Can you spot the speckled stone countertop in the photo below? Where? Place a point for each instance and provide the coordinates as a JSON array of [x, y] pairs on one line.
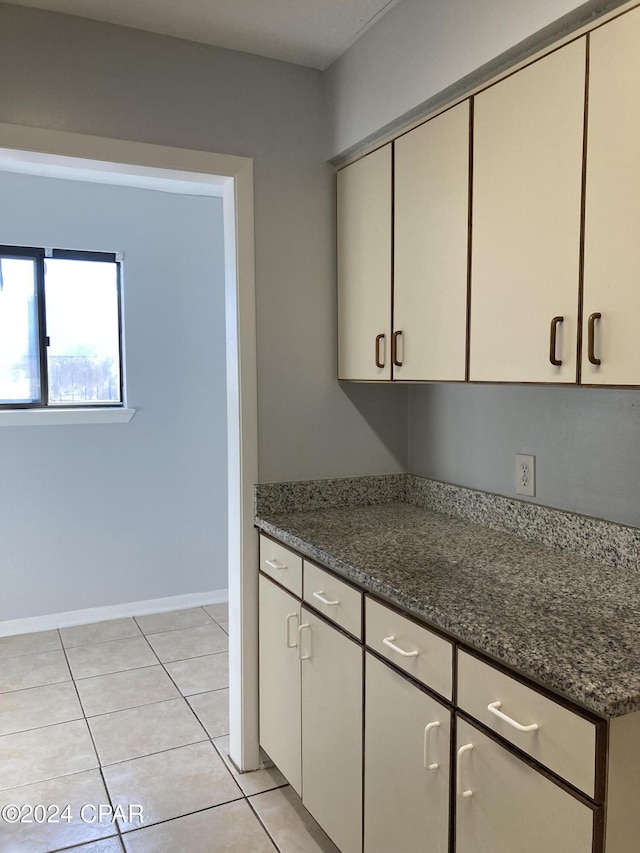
[[570, 623]]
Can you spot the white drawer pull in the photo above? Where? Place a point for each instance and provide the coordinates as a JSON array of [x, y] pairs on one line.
[[427, 729], [275, 564], [300, 630], [320, 596], [388, 641], [291, 645], [461, 752], [494, 709]]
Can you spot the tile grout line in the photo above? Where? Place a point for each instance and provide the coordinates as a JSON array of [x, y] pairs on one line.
[[262, 824], [208, 737], [95, 748]]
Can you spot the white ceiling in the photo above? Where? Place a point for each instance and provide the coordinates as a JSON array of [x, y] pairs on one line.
[[307, 32]]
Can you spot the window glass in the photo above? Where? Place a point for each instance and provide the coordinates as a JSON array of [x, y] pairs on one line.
[[83, 352], [19, 351]]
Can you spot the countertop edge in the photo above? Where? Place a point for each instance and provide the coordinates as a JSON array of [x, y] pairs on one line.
[[368, 582]]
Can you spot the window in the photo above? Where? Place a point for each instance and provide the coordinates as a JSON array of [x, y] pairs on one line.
[[60, 328]]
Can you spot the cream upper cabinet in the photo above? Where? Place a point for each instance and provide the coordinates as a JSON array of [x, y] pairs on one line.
[[364, 268], [527, 183], [431, 227], [611, 303]]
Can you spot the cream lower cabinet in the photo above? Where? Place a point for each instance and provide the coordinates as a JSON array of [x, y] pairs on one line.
[[406, 765], [369, 750], [504, 805], [280, 736], [311, 711], [332, 730]]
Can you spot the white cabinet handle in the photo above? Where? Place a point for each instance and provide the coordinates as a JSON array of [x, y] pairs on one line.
[[300, 630], [275, 564], [461, 791], [320, 596], [388, 641], [494, 709], [291, 645], [427, 729]]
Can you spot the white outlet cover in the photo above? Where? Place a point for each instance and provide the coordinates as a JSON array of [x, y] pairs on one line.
[[525, 475]]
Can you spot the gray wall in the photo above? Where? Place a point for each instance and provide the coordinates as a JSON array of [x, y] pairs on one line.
[[586, 441], [78, 75], [421, 48], [103, 514]]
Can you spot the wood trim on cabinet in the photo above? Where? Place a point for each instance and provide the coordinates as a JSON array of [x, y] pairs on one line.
[[453, 780], [438, 697], [602, 762], [583, 204], [530, 762], [392, 342], [599, 723], [528, 681], [467, 361], [278, 584], [598, 830], [411, 617], [364, 732]]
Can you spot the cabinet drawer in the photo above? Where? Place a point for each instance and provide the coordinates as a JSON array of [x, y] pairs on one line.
[[413, 648], [281, 564], [563, 741], [333, 598]]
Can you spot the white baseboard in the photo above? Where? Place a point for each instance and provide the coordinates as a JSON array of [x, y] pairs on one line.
[[113, 611]]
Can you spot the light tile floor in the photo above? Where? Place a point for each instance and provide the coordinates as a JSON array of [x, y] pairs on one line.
[[132, 715]]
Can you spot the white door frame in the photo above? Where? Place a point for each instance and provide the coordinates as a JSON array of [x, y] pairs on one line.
[[94, 158]]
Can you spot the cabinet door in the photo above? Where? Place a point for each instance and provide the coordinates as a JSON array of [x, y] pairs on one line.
[[612, 213], [364, 268], [431, 228], [527, 179], [332, 731], [280, 737], [509, 806], [406, 804]]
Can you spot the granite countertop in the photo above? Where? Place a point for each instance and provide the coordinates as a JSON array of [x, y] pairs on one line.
[[567, 622]]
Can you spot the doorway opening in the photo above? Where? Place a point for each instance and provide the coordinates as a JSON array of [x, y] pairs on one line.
[[48, 153]]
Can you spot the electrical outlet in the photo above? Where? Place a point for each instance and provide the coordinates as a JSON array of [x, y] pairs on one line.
[[525, 475]]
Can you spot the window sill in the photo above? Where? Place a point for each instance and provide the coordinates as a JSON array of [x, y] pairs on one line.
[[64, 417]]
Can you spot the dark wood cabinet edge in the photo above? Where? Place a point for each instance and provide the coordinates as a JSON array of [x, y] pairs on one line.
[[279, 585], [493, 382], [529, 681], [415, 682], [331, 624], [392, 271], [467, 354], [600, 723], [576, 793], [583, 204]]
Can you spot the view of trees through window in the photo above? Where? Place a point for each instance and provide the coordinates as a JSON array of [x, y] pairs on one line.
[[59, 329]]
